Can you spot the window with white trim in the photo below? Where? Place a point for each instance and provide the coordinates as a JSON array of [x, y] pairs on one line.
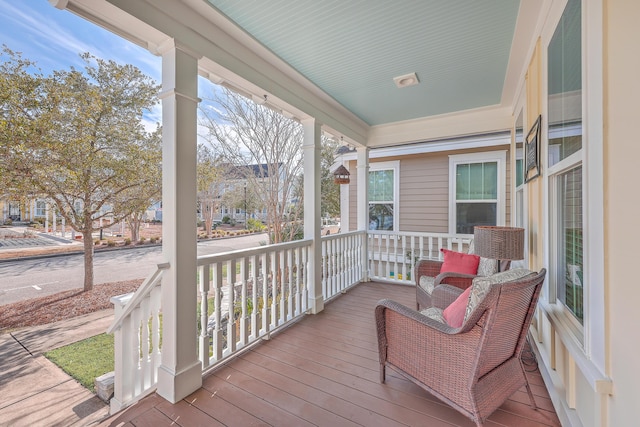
[[476, 190], [564, 159], [383, 195], [41, 208]]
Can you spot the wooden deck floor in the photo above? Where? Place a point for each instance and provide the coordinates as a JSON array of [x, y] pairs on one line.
[[324, 371]]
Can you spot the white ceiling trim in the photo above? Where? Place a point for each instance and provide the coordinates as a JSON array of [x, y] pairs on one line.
[[478, 121], [470, 142]]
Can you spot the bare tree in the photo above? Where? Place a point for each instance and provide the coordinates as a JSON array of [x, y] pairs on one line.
[[246, 133], [210, 172]]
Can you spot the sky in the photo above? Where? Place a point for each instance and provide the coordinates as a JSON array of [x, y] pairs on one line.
[[55, 38]]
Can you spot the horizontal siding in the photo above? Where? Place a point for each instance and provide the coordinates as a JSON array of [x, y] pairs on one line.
[[424, 193]]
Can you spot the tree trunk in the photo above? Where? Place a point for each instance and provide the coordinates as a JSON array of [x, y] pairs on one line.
[[88, 258], [207, 213]]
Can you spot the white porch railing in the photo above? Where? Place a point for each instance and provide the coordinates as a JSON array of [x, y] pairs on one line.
[[137, 341], [342, 262], [392, 255], [243, 296]]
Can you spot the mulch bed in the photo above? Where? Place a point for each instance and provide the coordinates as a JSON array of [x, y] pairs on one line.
[[63, 305]]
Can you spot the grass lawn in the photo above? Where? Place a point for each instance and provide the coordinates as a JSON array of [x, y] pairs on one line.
[[85, 360]]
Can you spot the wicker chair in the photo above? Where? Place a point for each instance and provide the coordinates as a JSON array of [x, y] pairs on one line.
[[474, 368], [427, 275]]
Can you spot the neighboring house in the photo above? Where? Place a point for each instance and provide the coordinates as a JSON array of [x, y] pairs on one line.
[[236, 183], [30, 210]]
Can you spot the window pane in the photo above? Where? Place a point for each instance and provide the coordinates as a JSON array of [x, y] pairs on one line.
[[570, 277], [381, 186], [565, 85], [477, 181], [40, 208], [462, 182], [490, 181], [469, 215], [381, 216]]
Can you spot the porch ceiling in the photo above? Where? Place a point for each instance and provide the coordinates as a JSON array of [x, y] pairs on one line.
[[336, 61], [352, 50]]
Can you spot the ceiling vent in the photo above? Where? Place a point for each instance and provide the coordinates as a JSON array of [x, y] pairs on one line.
[[406, 80]]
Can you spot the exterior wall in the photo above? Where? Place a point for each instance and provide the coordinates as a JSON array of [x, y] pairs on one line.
[[424, 190], [622, 233], [595, 382]]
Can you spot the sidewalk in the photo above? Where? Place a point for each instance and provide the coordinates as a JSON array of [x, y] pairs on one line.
[[34, 391]]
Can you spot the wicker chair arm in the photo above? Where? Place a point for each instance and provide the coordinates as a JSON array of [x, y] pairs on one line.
[[426, 267], [444, 294], [411, 314], [459, 280]]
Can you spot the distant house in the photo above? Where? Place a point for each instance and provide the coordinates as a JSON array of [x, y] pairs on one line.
[[21, 211], [237, 182]]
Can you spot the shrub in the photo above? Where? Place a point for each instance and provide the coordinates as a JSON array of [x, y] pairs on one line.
[[255, 225], [111, 243], [153, 240], [141, 241], [127, 241], [226, 219]]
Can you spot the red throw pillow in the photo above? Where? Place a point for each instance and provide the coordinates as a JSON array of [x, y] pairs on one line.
[[454, 314], [457, 262]]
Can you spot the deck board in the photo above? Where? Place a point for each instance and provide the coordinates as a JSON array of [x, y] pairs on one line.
[[324, 370]]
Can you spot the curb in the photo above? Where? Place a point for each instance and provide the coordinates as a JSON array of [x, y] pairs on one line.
[[76, 253], [120, 248]]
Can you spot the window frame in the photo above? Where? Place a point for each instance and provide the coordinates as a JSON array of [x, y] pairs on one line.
[[40, 212], [393, 165], [498, 156], [556, 172], [568, 325]]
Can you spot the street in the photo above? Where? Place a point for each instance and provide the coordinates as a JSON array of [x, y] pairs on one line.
[[31, 278]]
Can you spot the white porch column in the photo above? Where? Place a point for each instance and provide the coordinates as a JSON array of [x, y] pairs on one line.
[[344, 205], [363, 203], [312, 216], [180, 372]]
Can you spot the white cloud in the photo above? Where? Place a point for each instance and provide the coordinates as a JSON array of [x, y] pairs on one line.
[[56, 38]]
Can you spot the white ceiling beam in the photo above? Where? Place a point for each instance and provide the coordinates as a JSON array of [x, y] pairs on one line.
[[471, 122]]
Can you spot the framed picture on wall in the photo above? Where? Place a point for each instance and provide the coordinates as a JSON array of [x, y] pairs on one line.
[[532, 152]]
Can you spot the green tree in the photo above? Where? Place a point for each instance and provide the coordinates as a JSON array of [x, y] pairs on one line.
[[78, 139], [330, 198]]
